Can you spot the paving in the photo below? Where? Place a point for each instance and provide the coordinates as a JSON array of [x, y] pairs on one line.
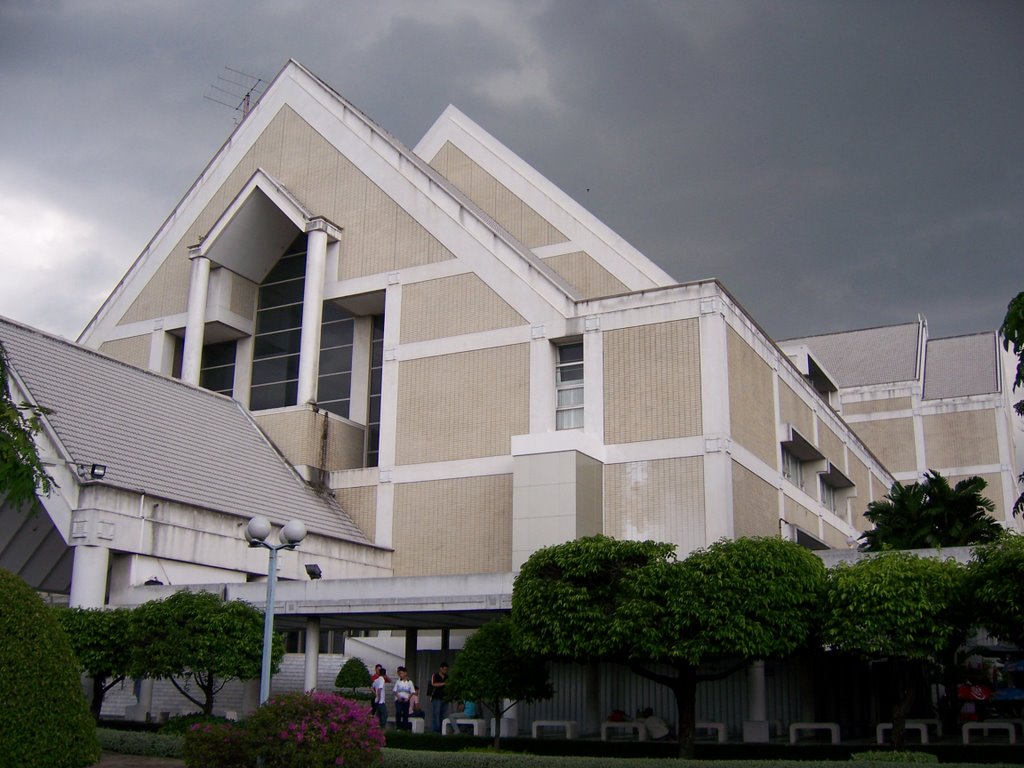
[[117, 760]]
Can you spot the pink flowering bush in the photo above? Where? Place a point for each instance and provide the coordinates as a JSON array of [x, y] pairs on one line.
[[315, 730]]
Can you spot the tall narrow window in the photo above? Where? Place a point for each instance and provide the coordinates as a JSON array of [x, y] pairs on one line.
[[828, 495], [569, 387], [334, 384], [275, 364], [792, 469], [217, 371], [373, 410]]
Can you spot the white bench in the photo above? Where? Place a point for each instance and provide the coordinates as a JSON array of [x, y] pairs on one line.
[[721, 732], [920, 727], [571, 727], [795, 728], [984, 726], [452, 726], [632, 725]]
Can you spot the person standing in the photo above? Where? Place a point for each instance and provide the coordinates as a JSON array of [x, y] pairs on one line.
[[438, 705], [404, 690], [380, 706]]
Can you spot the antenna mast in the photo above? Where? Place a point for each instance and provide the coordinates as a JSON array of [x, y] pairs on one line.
[[236, 90]]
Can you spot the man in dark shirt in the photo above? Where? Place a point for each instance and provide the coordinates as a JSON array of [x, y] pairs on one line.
[[438, 704]]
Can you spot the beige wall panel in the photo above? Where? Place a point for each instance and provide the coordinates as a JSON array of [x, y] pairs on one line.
[[878, 406], [470, 305], [652, 382], [858, 473], [462, 525], [795, 411], [961, 439], [495, 198], [133, 350], [830, 444], [300, 436], [993, 492], [361, 505], [584, 274], [879, 490], [462, 406], [835, 538], [892, 441], [377, 235], [166, 294], [660, 499], [751, 400], [755, 504], [243, 296], [800, 516]]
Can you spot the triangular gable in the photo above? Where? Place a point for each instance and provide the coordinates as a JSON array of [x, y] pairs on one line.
[[573, 229], [329, 128]]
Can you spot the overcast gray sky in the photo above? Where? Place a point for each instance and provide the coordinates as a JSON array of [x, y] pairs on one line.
[[838, 164]]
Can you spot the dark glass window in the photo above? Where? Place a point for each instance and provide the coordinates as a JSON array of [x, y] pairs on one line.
[[334, 383], [376, 368], [275, 364], [217, 370]]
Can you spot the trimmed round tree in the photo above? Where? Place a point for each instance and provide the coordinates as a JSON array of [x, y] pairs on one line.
[[701, 618], [997, 585], [101, 640], [199, 642], [491, 670], [352, 676], [44, 718], [898, 606]]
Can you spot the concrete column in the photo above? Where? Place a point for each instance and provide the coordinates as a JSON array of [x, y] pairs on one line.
[[144, 707], [755, 728], [89, 577], [250, 695], [312, 314], [195, 321], [411, 642], [312, 652]]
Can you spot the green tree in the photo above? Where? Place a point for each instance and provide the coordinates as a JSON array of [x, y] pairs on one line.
[[491, 670], [102, 641], [352, 675], [931, 514], [897, 606], [44, 718], [1012, 331], [700, 618], [22, 473], [198, 641], [996, 575]]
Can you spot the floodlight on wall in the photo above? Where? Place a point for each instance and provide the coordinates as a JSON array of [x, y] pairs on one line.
[[91, 473], [313, 571], [257, 531]]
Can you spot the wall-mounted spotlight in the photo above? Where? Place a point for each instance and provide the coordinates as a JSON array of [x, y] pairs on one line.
[[313, 571], [90, 473]]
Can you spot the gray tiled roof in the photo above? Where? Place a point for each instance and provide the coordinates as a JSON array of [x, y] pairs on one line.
[[164, 437], [960, 366], [869, 356]]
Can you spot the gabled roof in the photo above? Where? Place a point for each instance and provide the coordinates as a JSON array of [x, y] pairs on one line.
[[162, 437], [959, 366], [397, 170], [868, 356]]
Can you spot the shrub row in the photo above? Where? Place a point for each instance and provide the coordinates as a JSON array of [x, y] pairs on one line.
[[143, 743]]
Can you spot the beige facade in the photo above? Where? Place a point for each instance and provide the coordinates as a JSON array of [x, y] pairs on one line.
[[751, 403], [756, 505], [892, 440], [660, 500], [469, 306]]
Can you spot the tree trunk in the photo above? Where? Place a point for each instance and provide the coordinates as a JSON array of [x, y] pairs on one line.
[[495, 707], [685, 690], [904, 692], [99, 689]]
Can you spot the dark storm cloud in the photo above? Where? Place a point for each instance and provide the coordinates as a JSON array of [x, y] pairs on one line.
[[836, 164]]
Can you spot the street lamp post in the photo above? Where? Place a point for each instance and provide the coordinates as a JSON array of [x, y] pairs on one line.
[[256, 533]]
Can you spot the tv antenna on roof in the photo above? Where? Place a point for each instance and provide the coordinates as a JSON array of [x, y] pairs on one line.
[[237, 90]]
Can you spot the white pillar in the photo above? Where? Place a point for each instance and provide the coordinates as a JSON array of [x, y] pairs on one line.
[[755, 728], [195, 320], [312, 652], [312, 314], [89, 577]]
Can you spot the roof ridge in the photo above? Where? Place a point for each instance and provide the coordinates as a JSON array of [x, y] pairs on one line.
[[851, 330]]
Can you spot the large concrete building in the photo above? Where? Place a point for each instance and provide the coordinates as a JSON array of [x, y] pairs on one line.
[[441, 363]]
